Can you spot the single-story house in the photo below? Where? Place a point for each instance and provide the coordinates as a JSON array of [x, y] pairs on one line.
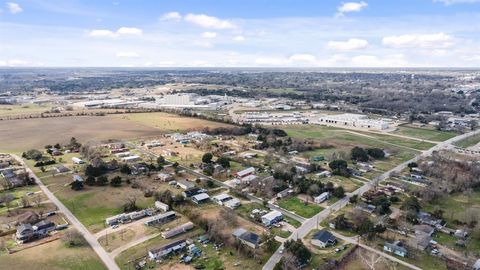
[[323, 239], [161, 206], [324, 174], [322, 197], [246, 237], [77, 178], [200, 198], [185, 184], [424, 229], [191, 192], [164, 177], [160, 218], [24, 233], [247, 171], [421, 241], [165, 250], [178, 230], [130, 159], [285, 193], [61, 169], [271, 218], [233, 203], [221, 198], [396, 248], [76, 160]]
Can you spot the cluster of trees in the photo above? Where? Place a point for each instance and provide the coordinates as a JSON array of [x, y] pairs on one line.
[[208, 166], [359, 223], [33, 154], [361, 154], [299, 252], [339, 167], [44, 163]]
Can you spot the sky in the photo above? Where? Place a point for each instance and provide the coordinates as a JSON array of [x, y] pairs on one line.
[[240, 33]]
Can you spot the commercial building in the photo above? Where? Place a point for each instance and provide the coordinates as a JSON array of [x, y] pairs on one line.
[[350, 120]]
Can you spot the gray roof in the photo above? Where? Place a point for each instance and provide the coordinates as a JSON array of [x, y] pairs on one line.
[[324, 236]]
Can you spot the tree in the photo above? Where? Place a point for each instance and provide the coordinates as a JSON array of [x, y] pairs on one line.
[[383, 204], [130, 203], [160, 161], [376, 153], [359, 154], [77, 185], [339, 167], [353, 199], [34, 154], [298, 249], [207, 158], [25, 201], [125, 169], [101, 180], [90, 181], [116, 181], [411, 204], [37, 199], [339, 192], [341, 222], [224, 162], [73, 239]]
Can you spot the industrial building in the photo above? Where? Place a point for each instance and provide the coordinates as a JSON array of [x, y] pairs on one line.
[[350, 120]]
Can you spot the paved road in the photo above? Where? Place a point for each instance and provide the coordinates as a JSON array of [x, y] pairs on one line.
[[91, 239], [311, 223]]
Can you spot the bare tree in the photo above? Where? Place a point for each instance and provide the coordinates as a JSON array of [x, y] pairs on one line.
[[37, 199], [370, 259], [25, 202]]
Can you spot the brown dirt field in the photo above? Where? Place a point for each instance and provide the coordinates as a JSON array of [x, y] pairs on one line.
[[21, 135]]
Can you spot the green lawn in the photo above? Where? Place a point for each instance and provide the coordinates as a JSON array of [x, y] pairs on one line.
[[470, 141], [455, 206], [425, 133], [297, 206]]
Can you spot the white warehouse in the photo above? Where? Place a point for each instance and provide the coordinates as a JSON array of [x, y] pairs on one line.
[[351, 120]]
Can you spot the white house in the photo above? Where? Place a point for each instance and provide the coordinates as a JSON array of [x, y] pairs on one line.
[[221, 198], [186, 185], [271, 218], [133, 158], [160, 218], [161, 206], [76, 160], [164, 177], [322, 197], [160, 252], [323, 239], [247, 171], [233, 203], [200, 198]]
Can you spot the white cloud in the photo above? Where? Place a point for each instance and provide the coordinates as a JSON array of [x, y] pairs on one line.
[[14, 8], [127, 54], [348, 7], [238, 38], [440, 40], [171, 16], [102, 33], [394, 60], [166, 63], [349, 45], [452, 2], [17, 63], [270, 61], [209, 34], [105, 33], [130, 31], [206, 21], [303, 58], [203, 43]]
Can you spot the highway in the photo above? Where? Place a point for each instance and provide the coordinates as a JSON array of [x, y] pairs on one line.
[[311, 223], [89, 237]]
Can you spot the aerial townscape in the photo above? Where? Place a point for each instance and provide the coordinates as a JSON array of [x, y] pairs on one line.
[[262, 158]]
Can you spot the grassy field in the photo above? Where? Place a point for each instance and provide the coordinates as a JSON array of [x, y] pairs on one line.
[[93, 204], [455, 206], [296, 205], [15, 110], [424, 133], [470, 141], [53, 256]]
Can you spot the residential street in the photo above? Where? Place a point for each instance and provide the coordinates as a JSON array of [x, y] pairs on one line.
[[89, 237]]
